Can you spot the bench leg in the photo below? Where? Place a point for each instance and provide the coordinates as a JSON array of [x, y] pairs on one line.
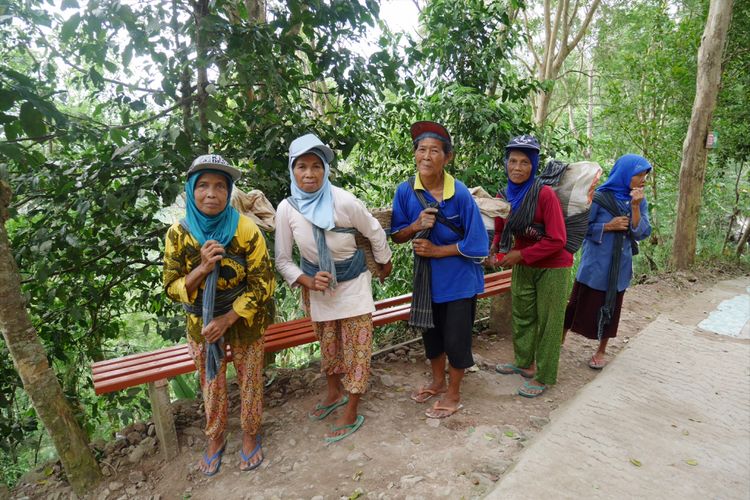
[[501, 314], [163, 419]]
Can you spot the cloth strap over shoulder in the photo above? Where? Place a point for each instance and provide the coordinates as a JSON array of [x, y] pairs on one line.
[[608, 202], [214, 303], [344, 270], [438, 216]]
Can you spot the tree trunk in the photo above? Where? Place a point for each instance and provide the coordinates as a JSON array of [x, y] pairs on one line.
[[590, 116], [558, 43], [736, 210], [38, 379], [743, 241], [200, 11], [694, 153]]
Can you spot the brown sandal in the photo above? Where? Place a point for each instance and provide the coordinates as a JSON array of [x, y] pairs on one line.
[[419, 396]]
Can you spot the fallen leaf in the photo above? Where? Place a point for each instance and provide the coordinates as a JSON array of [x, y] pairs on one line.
[[685, 432], [692, 462], [357, 475], [489, 437], [510, 434], [635, 462]]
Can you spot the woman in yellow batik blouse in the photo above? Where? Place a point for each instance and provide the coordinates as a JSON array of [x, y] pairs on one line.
[[217, 266]]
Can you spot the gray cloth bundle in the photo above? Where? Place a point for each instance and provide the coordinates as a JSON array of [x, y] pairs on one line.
[[607, 201], [214, 350], [520, 220], [420, 315], [214, 303], [347, 270]]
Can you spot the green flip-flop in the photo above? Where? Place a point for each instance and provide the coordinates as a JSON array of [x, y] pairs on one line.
[[528, 390], [327, 409], [351, 429], [510, 369]]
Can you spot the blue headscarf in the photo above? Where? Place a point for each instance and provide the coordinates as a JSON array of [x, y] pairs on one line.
[[316, 207], [220, 227], [622, 173], [515, 193]]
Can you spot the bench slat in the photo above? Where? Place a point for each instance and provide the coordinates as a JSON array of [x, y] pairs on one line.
[[136, 369]]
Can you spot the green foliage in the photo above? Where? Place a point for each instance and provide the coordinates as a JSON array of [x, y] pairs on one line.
[[103, 105]]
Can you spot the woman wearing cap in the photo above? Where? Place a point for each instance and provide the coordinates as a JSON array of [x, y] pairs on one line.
[[618, 219], [217, 266], [438, 215], [320, 218], [535, 229]]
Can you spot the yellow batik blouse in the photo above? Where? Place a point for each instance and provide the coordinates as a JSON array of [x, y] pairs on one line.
[[182, 254]]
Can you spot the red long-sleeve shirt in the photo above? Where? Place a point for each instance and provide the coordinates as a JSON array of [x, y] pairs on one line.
[[550, 251]]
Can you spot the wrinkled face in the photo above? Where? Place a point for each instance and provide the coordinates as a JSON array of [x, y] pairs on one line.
[[211, 193], [431, 158], [519, 167], [309, 171], [639, 180]]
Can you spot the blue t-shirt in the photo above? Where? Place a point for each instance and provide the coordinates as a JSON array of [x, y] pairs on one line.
[[593, 271], [458, 276]]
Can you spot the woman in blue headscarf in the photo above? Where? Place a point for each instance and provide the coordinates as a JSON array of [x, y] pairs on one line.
[[217, 266], [532, 240], [336, 285], [618, 220]]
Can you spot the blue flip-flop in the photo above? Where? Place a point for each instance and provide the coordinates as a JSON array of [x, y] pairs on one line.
[[528, 386], [216, 456], [510, 369], [247, 458], [351, 429], [327, 409]]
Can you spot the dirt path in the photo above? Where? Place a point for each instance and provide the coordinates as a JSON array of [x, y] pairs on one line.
[[398, 453]]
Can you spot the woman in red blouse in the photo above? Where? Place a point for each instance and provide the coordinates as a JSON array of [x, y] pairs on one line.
[[531, 241]]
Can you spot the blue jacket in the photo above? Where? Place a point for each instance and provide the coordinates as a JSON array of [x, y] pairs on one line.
[[593, 271]]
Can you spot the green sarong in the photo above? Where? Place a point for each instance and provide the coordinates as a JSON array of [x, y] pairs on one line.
[[539, 298]]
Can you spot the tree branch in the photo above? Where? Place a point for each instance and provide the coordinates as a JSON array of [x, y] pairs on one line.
[[584, 26], [530, 44]]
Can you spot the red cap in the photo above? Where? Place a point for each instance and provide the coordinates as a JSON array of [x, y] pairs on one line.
[[420, 128]]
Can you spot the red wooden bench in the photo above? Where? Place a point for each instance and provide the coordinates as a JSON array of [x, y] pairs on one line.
[[155, 368]]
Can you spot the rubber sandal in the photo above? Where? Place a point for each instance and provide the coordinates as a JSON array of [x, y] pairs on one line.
[[327, 409], [438, 407], [596, 366], [247, 458], [216, 456], [510, 369], [527, 386], [424, 390], [351, 429]]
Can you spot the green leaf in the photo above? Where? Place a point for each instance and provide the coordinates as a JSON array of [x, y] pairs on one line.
[[635, 462], [182, 144], [12, 131], [96, 77], [7, 99], [32, 120], [69, 27], [692, 462], [12, 151]]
